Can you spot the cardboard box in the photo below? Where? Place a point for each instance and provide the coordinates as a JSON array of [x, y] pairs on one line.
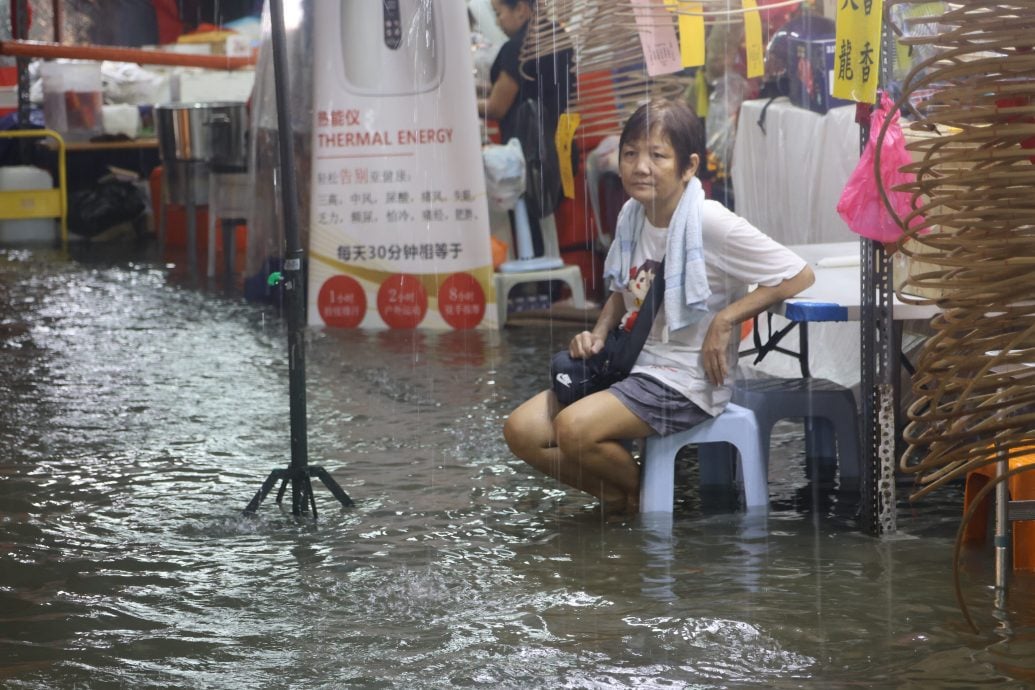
[[227, 43], [810, 68]]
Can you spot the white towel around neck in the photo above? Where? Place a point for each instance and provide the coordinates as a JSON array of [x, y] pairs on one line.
[[686, 282]]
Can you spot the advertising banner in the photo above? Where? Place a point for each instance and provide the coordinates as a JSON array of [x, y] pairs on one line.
[[400, 221]]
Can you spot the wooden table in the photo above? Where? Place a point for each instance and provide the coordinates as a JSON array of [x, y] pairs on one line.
[[117, 145]]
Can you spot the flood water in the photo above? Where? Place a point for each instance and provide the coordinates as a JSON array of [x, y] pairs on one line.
[[140, 414]]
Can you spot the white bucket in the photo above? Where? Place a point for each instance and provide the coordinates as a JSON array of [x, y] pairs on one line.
[[26, 230]]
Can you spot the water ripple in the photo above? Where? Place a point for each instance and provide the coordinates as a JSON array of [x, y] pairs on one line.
[[140, 416]]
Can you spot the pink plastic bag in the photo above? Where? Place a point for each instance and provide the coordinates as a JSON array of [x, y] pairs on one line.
[[861, 205]]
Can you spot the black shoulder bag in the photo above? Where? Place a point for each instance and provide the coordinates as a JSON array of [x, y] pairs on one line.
[[572, 379]]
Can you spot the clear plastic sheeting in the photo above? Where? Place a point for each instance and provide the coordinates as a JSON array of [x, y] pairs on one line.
[[265, 229]]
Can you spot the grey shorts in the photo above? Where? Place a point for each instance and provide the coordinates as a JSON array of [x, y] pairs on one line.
[[662, 408]]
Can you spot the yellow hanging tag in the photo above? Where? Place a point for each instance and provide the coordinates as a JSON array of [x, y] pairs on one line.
[[857, 46], [691, 33], [567, 123], [753, 40], [701, 93]]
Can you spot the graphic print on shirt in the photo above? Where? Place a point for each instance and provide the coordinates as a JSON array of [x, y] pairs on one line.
[[640, 280]]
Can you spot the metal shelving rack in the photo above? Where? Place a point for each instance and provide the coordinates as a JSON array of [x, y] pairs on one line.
[[878, 354], [877, 389]]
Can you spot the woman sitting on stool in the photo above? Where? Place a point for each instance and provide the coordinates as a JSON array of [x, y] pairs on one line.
[[681, 377]]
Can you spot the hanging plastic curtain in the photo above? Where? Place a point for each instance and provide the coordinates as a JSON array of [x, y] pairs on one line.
[[265, 229]]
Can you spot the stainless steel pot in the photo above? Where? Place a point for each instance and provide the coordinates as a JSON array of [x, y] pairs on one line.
[[214, 133]]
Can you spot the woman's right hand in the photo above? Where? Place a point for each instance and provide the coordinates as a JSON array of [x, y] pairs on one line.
[[585, 344]]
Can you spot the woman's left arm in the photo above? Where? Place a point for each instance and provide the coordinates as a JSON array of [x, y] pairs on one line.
[[716, 340], [502, 96]]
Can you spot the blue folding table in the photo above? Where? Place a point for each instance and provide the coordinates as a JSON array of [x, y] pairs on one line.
[[835, 296]]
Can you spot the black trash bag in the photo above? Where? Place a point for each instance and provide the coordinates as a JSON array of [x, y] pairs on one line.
[[107, 204]]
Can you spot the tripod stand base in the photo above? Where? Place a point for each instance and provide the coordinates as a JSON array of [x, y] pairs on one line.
[[301, 488]]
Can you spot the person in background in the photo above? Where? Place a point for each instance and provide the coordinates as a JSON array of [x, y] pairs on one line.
[[682, 375], [482, 54], [547, 79]]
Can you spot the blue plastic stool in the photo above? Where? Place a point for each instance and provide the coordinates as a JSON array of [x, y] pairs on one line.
[[829, 411], [736, 425]]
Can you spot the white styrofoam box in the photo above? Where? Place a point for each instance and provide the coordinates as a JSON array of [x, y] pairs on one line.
[[8, 97], [207, 86], [121, 118], [26, 230]]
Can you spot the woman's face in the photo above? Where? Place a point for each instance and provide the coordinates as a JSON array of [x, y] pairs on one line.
[[511, 19], [650, 171]]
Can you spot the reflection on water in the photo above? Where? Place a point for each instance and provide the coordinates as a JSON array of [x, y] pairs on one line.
[[140, 415]]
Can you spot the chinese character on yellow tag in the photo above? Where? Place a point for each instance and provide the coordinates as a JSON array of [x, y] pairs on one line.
[[857, 49]]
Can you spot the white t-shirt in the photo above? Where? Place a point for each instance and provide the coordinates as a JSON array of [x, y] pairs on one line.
[[737, 255]]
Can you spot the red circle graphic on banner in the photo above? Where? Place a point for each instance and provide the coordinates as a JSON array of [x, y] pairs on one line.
[[461, 301], [402, 301], [341, 302]]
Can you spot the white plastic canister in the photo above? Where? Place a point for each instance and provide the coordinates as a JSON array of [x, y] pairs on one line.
[[26, 230], [72, 98]]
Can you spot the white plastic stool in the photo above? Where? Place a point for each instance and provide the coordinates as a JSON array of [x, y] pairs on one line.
[[736, 425], [570, 275], [528, 268]]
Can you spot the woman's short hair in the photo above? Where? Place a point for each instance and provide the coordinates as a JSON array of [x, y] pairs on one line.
[[676, 120]]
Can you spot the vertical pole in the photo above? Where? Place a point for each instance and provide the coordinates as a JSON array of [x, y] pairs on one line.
[[294, 277], [20, 30], [190, 168], [887, 413], [871, 503], [300, 473], [878, 359], [888, 353], [229, 248], [57, 6], [1002, 529], [867, 347]]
